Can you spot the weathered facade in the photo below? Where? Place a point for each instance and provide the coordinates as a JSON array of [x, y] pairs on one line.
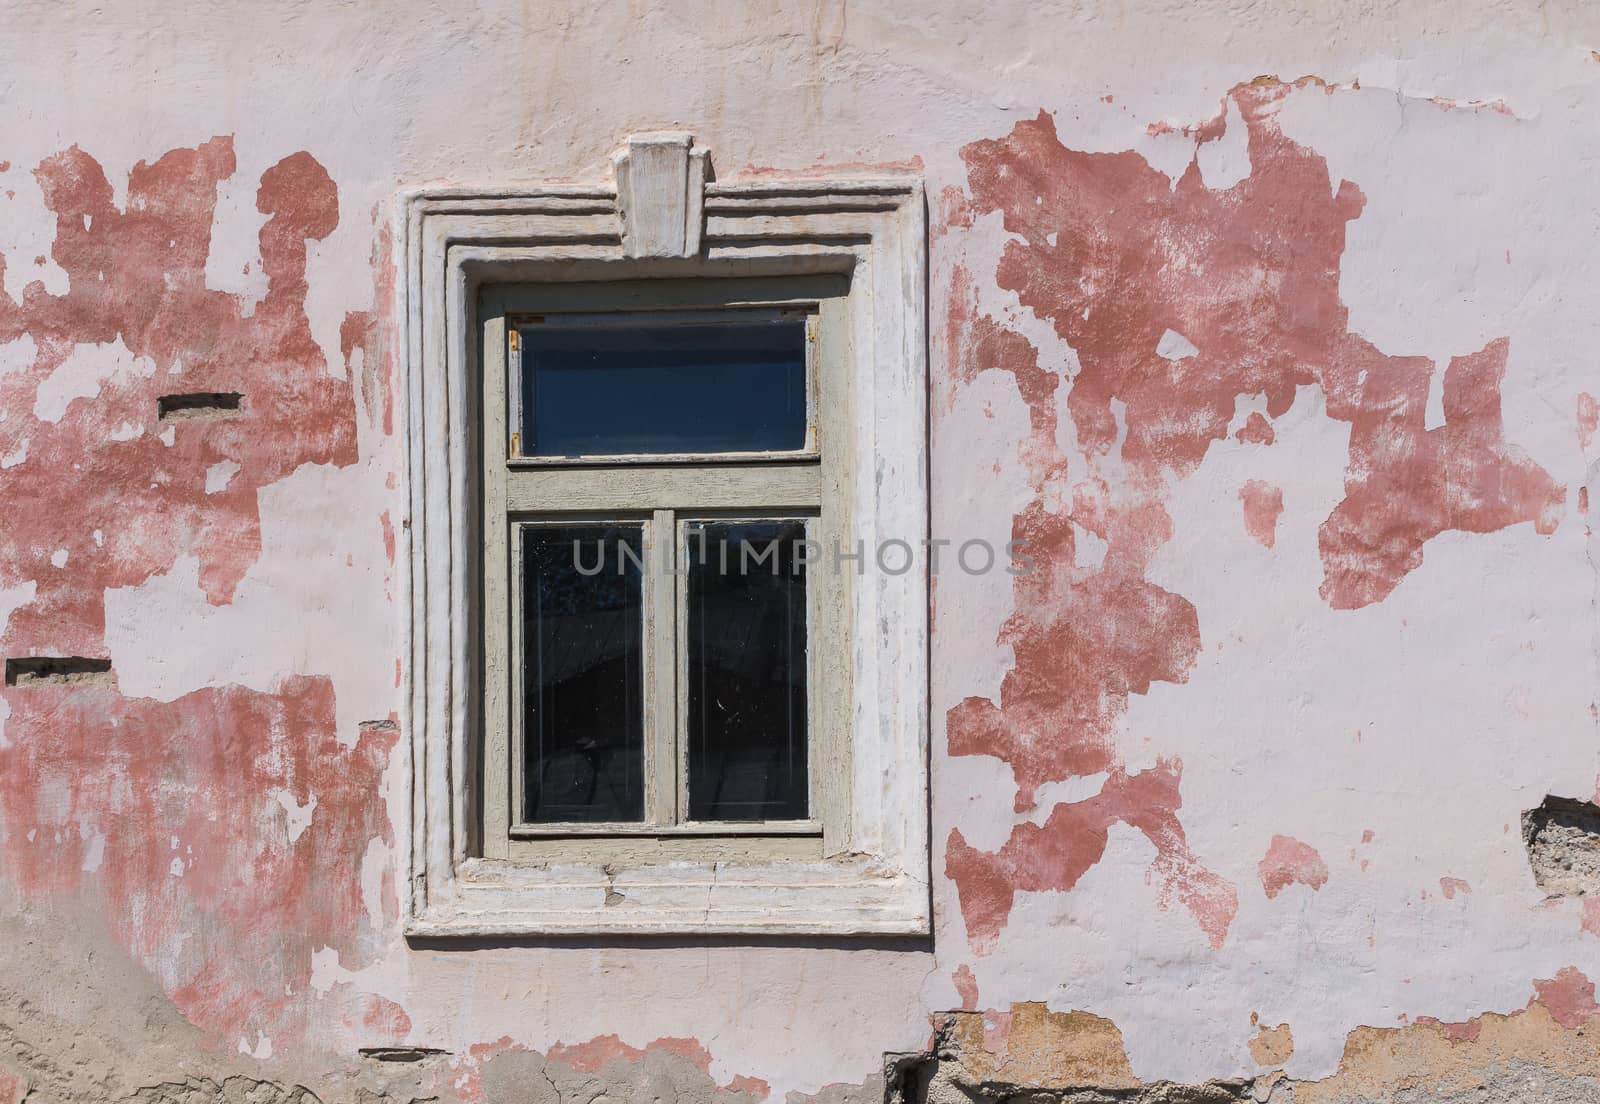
[[1271, 330]]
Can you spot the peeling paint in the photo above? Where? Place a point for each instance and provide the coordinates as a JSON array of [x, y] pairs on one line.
[[1272, 1046], [1282, 389], [1288, 862], [107, 509], [137, 283], [141, 770], [1075, 1056], [1114, 258], [1263, 505]]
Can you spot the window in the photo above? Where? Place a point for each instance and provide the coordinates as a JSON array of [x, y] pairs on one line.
[[656, 431], [663, 631]]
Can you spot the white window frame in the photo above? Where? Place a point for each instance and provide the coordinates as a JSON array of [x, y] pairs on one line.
[[664, 220]]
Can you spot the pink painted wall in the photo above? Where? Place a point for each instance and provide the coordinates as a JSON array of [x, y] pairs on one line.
[[1288, 382]]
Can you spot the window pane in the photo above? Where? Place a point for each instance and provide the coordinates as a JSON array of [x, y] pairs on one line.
[[663, 388], [747, 671], [583, 673]]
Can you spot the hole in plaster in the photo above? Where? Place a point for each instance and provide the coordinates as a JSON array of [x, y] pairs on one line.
[[1563, 840], [56, 670], [399, 1054], [199, 404]]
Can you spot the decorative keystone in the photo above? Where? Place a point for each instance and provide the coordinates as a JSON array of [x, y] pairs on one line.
[[661, 181]]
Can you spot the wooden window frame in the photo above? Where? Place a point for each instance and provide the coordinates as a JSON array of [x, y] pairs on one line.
[[667, 223], [660, 492]]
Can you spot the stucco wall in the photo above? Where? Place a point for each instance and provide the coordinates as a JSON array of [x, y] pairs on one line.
[[1271, 327]]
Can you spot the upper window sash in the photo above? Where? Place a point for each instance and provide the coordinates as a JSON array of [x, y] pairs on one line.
[[523, 336]]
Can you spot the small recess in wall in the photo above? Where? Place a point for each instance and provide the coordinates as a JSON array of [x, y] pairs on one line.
[[400, 1053], [56, 670], [199, 404], [1562, 836]]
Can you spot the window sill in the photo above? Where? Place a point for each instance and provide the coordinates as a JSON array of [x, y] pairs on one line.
[[843, 897]]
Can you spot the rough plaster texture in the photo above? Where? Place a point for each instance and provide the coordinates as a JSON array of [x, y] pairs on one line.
[[1290, 383]]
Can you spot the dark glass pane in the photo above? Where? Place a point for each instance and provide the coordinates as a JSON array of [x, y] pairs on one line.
[[747, 671], [720, 387], [583, 686]]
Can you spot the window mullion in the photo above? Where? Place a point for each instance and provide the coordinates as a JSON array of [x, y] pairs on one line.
[[680, 610], [661, 677]]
